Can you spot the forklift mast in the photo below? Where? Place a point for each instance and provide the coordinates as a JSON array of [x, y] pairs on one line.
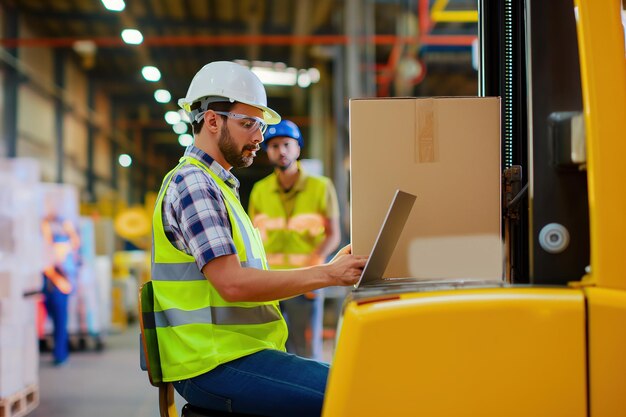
[[530, 59]]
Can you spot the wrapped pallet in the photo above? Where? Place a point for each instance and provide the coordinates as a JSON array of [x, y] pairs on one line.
[[21, 255]]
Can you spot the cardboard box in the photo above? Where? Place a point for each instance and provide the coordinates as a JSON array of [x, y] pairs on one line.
[[446, 150]]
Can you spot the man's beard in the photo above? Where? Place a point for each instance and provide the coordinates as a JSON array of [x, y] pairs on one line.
[[234, 157], [284, 167]]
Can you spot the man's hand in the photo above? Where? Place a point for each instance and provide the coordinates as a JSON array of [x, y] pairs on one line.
[[345, 268], [346, 250]]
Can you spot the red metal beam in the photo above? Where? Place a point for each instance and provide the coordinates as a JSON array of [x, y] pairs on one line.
[[287, 40], [423, 14]]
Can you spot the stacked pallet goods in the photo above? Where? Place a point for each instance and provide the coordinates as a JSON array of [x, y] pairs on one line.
[[21, 262]]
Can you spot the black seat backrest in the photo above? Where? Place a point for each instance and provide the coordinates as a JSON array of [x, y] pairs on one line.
[[149, 341], [150, 350]]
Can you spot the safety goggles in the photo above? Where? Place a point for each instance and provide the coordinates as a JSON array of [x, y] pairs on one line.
[[249, 123]]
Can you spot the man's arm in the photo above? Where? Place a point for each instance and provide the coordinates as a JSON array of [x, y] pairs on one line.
[[331, 227], [237, 284], [330, 242], [69, 228]]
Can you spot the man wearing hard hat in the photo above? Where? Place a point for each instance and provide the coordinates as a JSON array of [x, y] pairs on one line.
[[221, 334], [298, 217]]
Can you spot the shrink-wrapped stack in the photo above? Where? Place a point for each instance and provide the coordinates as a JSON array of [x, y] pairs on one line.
[[87, 318], [21, 262]]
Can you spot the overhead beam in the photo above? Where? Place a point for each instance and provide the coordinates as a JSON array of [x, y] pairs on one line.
[[244, 40]]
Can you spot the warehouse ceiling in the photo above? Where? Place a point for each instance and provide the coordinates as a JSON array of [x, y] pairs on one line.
[[180, 36]]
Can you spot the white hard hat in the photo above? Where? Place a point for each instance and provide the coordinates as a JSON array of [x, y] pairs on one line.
[[231, 81]]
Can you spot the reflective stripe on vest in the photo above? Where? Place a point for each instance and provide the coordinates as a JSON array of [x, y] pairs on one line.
[[289, 241], [210, 315], [197, 329], [294, 259]]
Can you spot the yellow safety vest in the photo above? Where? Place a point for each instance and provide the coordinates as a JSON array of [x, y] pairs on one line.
[[289, 240], [196, 328]]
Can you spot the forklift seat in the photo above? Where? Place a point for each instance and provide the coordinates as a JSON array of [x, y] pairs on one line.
[[150, 361]]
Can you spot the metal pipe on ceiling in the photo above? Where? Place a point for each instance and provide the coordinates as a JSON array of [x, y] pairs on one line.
[[226, 40]]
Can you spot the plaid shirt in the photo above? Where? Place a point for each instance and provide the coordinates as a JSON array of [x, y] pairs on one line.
[[194, 213]]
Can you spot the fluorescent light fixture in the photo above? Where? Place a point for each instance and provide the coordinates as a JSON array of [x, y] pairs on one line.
[[281, 66], [180, 128], [184, 116], [278, 73], [185, 139], [132, 36], [114, 5], [304, 79], [125, 160], [314, 73], [151, 73], [172, 117], [162, 96], [85, 47], [269, 76]]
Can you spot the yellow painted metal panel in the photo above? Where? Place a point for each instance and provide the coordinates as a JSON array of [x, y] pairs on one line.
[[607, 352], [455, 16], [603, 71], [489, 352], [438, 13]]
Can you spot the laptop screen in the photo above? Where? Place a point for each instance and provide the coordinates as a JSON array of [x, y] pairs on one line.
[[387, 238]]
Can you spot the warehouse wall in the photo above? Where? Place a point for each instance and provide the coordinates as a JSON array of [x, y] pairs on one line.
[[35, 109], [102, 145], [74, 126], [36, 120]]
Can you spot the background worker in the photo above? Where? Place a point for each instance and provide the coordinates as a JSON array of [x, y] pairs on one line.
[[221, 333], [62, 246], [298, 217]]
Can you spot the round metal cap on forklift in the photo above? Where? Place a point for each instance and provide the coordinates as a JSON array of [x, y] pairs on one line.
[[231, 81], [284, 129]]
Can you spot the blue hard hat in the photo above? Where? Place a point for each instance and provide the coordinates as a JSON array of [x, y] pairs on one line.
[[286, 128]]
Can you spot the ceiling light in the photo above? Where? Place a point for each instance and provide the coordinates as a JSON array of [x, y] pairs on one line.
[[162, 96], [185, 139], [125, 160], [304, 79], [151, 73], [172, 117], [85, 46], [184, 116], [132, 36], [269, 76], [279, 74], [314, 73], [180, 128], [86, 49], [114, 5]]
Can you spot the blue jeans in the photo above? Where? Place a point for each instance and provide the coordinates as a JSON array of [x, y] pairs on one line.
[[268, 383], [56, 306]]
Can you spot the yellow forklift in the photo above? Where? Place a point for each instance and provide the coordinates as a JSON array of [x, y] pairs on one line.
[[550, 339]]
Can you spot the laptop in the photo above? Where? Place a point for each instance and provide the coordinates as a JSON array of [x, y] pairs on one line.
[[387, 239]]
